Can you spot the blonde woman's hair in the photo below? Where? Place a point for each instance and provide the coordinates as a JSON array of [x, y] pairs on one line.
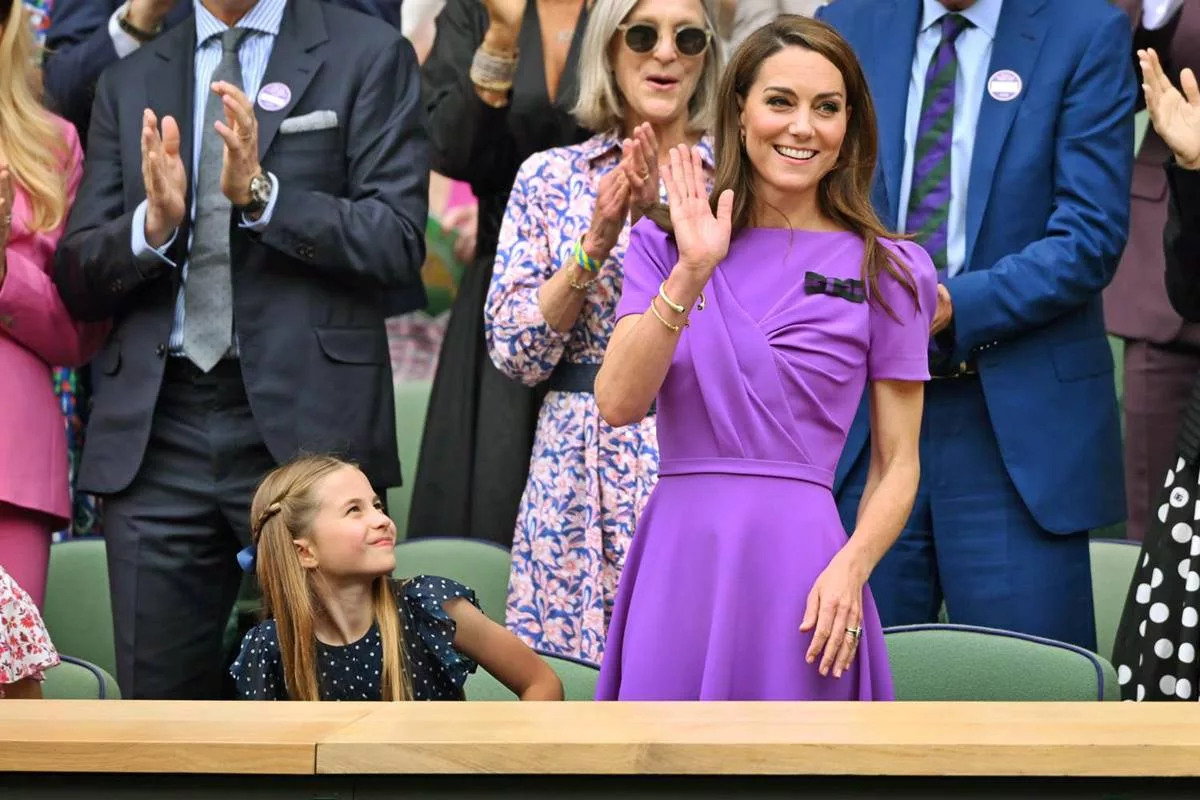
[[283, 510], [30, 137], [600, 106]]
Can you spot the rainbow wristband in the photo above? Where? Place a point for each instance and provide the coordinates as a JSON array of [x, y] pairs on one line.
[[586, 262]]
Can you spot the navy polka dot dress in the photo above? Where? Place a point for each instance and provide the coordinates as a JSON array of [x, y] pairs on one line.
[[354, 671]]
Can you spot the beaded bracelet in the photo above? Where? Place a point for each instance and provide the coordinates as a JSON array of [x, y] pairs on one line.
[[586, 262]]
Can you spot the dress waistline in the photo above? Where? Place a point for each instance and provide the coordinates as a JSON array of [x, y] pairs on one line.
[[809, 473]]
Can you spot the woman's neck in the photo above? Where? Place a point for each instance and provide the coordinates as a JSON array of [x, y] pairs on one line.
[[348, 612], [775, 209]]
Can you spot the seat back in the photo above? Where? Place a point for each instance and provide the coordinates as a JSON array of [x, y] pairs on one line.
[[1113, 563], [966, 663], [412, 402], [78, 608], [76, 679], [578, 678], [477, 564]]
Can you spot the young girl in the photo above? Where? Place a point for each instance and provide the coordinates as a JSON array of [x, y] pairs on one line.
[[338, 626]]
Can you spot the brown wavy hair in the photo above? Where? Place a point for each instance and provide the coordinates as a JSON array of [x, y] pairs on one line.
[[844, 194]]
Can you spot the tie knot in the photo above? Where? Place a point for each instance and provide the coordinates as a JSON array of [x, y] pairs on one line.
[[231, 39], [953, 25]]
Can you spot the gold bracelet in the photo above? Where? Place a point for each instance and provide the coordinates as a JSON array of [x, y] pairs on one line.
[[672, 328], [676, 307], [581, 287]]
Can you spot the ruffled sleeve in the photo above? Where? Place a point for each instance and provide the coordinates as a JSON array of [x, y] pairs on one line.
[[25, 647], [258, 669], [425, 597]]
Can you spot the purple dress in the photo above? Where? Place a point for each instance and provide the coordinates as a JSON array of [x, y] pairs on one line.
[[751, 421]]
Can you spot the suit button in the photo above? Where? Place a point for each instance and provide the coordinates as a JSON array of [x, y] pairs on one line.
[[160, 349], [116, 285]]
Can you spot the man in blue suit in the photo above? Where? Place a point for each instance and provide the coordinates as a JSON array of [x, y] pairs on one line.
[[1006, 147]]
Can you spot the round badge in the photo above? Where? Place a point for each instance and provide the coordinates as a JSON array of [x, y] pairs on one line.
[[274, 96], [1004, 85]]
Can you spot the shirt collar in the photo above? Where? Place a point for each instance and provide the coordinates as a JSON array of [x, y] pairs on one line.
[[265, 17], [602, 144], [983, 14]]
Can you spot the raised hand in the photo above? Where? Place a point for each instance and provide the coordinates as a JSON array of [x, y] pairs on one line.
[[505, 17], [639, 159], [239, 130], [1175, 115], [701, 236], [164, 178], [608, 218]]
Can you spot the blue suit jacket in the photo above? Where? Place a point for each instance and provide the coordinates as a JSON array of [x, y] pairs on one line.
[[1047, 220]]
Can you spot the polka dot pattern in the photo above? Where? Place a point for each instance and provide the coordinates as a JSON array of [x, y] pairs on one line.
[[1156, 649], [354, 671]]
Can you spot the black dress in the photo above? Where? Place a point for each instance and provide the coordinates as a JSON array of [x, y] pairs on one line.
[[352, 671], [1157, 650], [479, 431]]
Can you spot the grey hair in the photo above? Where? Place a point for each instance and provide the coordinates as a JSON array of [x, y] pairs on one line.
[[600, 106]]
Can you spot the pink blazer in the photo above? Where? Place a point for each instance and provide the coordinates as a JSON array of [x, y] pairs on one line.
[[37, 333]]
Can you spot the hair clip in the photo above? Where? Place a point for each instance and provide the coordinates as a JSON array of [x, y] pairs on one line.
[[247, 559]]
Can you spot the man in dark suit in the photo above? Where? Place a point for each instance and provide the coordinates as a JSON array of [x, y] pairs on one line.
[[241, 247], [85, 36], [1006, 147], [1162, 351]]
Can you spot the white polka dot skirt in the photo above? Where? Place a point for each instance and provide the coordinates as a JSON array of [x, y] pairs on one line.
[[1157, 642]]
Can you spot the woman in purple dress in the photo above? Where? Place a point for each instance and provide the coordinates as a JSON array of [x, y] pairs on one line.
[[757, 319]]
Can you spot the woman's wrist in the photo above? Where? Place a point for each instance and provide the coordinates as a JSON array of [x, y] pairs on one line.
[[500, 40]]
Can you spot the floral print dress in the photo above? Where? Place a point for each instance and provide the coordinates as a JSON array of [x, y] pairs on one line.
[[25, 648], [587, 481]]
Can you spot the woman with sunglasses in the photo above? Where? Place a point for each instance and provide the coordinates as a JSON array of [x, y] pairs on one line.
[[757, 317], [647, 82], [499, 84]]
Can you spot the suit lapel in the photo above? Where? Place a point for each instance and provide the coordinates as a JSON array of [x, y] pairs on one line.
[[170, 85], [292, 64], [1018, 42], [895, 43]]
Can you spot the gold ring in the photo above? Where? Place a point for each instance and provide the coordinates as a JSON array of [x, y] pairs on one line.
[[855, 632], [646, 175]]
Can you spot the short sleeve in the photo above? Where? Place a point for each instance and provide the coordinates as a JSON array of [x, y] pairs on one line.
[[648, 261], [426, 597], [258, 669], [899, 343]]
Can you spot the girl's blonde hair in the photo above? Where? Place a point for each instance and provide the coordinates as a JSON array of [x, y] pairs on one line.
[[283, 510], [30, 137]]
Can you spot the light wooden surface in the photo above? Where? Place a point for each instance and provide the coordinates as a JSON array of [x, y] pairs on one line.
[[994, 739], [189, 737], [953, 739]]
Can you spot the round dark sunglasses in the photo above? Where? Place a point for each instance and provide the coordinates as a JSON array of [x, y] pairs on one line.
[[642, 37]]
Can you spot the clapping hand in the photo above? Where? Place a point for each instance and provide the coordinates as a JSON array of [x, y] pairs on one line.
[[701, 236], [639, 160], [1175, 115], [608, 218], [164, 178]]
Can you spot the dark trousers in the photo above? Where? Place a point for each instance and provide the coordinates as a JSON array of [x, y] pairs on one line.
[[1158, 383], [174, 534], [970, 539]]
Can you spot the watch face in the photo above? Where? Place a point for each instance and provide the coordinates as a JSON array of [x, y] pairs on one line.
[[260, 188]]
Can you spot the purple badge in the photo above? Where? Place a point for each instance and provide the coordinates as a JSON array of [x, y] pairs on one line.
[[1004, 85], [274, 96]]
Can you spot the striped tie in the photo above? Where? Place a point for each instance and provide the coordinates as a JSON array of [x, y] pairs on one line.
[[929, 196]]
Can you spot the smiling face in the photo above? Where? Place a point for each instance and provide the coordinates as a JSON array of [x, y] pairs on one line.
[[657, 85], [794, 118], [350, 537]]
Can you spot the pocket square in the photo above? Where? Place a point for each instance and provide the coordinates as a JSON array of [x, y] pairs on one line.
[[312, 121]]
